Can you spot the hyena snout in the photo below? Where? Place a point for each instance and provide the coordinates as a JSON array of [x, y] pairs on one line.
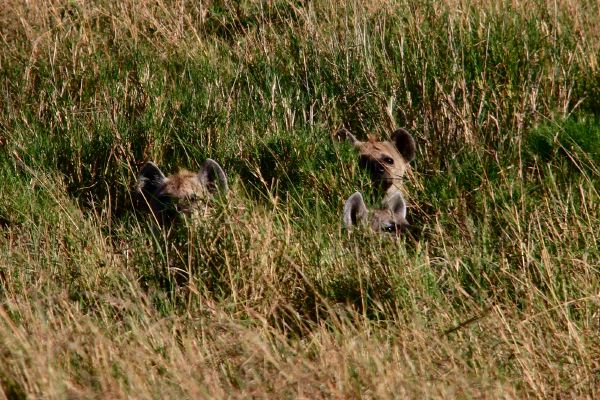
[[378, 170], [185, 205]]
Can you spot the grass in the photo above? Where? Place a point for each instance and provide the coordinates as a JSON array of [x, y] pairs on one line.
[[496, 295]]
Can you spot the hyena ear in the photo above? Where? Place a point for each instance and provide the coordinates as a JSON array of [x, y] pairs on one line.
[[344, 134], [405, 144], [354, 210], [213, 177], [395, 203], [151, 178]]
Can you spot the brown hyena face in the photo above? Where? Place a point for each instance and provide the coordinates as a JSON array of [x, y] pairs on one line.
[[390, 218], [182, 193], [387, 160]]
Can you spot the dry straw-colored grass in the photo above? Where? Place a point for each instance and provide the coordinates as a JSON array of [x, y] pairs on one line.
[[497, 295]]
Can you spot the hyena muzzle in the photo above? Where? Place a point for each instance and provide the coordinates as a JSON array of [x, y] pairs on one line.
[[182, 193]]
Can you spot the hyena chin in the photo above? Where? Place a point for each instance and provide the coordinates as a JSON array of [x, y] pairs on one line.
[[185, 193], [390, 218], [385, 160]]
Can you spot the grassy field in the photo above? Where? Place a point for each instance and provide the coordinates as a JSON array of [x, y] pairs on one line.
[[495, 295]]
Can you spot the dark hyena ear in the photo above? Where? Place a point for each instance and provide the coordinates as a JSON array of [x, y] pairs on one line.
[[405, 144], [344, 134], [395, 203], [151, 178], [354, 210], [213, 177]]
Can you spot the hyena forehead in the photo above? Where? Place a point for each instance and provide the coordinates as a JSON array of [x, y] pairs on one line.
[[400, 142], [184, 184], [380, 150], [391, 217], [210, 179]]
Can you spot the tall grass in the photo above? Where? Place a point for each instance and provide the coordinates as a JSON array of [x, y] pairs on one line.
[[495, 294]]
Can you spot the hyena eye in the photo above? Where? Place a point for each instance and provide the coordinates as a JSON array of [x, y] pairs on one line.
[[389, 228], [388, 160]]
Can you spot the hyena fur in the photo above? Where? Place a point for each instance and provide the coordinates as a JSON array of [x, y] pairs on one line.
[[385, 160], [184, 193]]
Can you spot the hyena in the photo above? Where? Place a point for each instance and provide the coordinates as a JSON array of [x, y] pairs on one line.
[[386, 160], [182, 193], [390, 218]]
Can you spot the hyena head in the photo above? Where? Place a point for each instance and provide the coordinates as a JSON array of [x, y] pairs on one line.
[[185, 192], [387, 160], [390, 218]]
